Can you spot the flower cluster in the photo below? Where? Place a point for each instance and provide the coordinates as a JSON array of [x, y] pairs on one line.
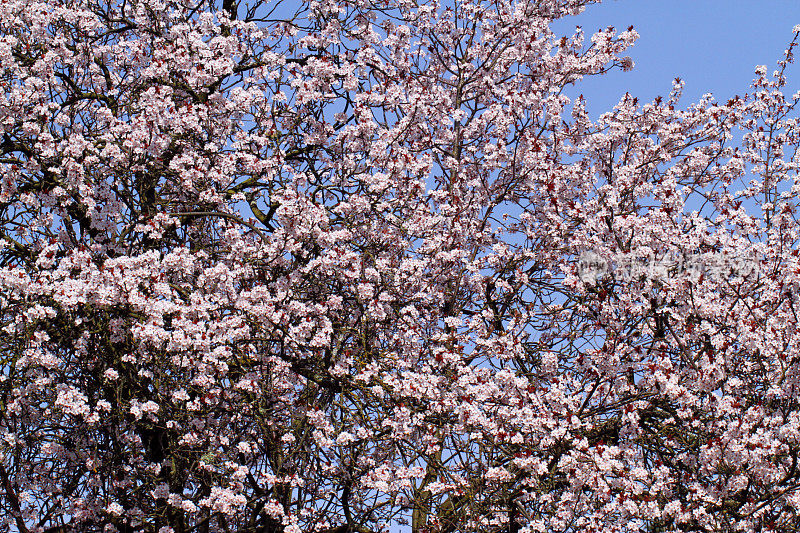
[[275, 269]]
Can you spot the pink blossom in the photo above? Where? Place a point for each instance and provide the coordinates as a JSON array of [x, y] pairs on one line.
[[331, 273]]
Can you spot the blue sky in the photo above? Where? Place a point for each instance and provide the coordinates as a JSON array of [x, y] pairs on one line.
[[713, 45]]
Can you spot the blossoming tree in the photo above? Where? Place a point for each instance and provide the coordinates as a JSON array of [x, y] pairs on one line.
[[278, 267]]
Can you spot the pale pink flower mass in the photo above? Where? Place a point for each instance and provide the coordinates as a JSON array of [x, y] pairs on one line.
[[350, 266]]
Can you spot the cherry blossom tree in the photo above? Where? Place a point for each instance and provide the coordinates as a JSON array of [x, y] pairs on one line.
[[350, 266]]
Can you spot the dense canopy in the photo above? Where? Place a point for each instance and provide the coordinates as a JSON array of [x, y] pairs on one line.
[[352, 266]]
